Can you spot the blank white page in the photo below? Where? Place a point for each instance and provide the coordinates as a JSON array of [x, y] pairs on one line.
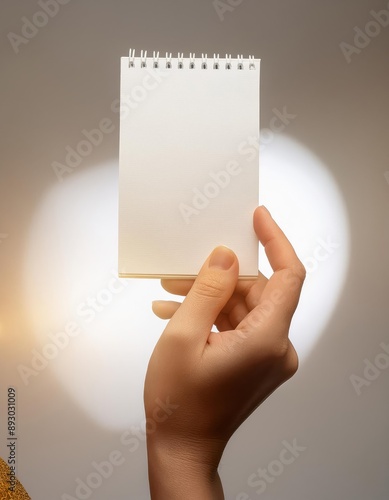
[[188, 182]]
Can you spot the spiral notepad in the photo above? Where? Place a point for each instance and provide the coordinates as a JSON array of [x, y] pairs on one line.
[[188, 176]]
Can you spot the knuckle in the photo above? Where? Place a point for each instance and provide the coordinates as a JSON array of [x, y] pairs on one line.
[[294, 276], [211, 287], [279, 350], [292, 363], [285, 354], [300, 271], [173, 338]]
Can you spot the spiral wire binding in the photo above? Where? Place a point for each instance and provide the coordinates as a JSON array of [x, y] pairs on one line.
[[180, 59], [131, 57], [168, 60], [156, 60], [204, 61], [143, 59], [192, 60], [215, 61]]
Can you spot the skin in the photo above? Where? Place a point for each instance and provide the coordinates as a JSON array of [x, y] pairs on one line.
[[213, 380]]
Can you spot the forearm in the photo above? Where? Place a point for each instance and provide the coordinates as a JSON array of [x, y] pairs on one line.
[[175, 474]]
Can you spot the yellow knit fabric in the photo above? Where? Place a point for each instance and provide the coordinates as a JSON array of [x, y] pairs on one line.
[[5, 493]]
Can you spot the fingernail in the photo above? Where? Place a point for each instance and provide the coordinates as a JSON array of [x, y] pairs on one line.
[[222, 257]]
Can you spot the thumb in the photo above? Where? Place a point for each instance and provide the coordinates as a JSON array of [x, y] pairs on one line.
[[208, 295]]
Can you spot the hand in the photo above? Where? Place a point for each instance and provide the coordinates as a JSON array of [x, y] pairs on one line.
[[215, 380]]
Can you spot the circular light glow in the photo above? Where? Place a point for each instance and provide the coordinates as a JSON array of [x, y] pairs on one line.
[[99, 331], [304, 199]]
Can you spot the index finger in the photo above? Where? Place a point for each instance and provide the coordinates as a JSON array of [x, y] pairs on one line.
[[281, 294], [278, 248]]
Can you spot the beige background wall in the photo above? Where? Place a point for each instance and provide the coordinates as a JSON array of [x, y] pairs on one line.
[[57, 243]]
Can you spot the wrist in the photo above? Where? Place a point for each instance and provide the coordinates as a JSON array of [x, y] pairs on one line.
[[182, 469]]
